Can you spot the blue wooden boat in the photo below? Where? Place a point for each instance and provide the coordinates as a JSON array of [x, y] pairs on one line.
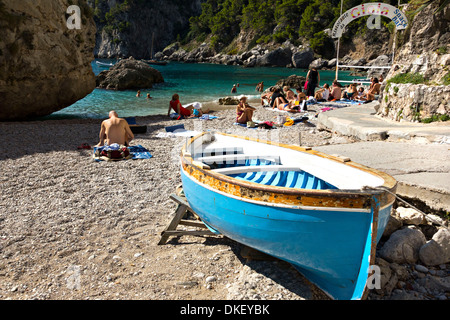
[[321, 213]]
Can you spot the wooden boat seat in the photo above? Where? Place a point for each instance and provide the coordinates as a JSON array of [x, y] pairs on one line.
[[210, 152], [238, 170], [240, 159]]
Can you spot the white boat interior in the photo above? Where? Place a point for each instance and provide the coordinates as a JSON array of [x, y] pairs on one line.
[[278, 166]]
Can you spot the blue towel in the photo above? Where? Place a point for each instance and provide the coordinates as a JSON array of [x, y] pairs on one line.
[[131, 121], [207, 117], [348, 101], [139, 152], [174, 128]]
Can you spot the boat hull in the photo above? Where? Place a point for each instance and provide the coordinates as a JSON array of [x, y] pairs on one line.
[[330, 247], [329, 235]]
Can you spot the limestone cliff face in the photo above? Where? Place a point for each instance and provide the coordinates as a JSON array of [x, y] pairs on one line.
[[129, 29], [426, 51], [44, 65], [426, 44]]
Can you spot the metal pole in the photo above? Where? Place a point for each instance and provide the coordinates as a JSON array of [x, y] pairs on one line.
[[337, 59], [338, 47]]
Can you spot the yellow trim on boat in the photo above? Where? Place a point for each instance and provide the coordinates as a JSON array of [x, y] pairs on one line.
[[351, 199]]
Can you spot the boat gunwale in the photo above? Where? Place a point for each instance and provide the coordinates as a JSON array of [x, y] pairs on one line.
[[390, 184]]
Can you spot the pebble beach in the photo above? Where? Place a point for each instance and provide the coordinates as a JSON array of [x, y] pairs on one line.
[[75, 229]]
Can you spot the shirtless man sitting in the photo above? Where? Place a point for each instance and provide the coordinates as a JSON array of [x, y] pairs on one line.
[[115, 130]]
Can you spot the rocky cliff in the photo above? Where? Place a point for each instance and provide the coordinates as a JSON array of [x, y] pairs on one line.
[[44, 65], [418, 84], [129, 28]]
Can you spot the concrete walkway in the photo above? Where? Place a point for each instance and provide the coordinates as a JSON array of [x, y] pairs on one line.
[[417, 155], [360, 121]]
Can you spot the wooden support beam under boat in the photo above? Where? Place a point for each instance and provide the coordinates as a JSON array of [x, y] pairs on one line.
[[180, 213]]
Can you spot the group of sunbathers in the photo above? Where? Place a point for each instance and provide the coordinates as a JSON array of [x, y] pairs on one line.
[[285, 99], [351, 92]]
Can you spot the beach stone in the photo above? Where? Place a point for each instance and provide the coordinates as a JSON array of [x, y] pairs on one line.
[[229, 101], [403, 246], [421, 268], [44, 65], [434, 285], [129, 74], [389, 278], [437, 250], [400, 270], [394, 223], [435, 219], [410, 216]]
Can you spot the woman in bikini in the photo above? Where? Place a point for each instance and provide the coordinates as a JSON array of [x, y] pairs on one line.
[[374, 90], [244, 112]]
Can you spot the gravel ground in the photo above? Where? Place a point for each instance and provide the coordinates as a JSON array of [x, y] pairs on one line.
[[73, 228]]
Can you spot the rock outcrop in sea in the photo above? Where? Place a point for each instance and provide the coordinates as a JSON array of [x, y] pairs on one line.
[[44, 65], [129, 74]]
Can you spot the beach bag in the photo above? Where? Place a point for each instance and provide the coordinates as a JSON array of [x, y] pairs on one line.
[[306, 85], [116, 154], [113, 152], [251, 124]]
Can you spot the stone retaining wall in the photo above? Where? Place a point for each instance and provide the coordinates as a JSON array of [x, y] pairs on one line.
[[410, 102]]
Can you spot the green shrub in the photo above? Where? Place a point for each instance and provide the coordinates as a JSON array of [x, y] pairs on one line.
[[441, 50], [321, 44], [414, 78], [446, 79], [435, 118]]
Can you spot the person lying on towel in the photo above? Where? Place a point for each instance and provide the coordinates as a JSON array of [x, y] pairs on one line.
[[115, 130]]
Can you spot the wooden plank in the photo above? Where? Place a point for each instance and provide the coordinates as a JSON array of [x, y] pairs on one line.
[[177, 233], [180, 213], [179, 200], [193, 223]]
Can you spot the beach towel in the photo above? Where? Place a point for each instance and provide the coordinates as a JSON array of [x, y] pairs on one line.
[[116, 152], [348, 101], [175, 128], [176, 116], [177, 131], [139, 152], [244, 125], [131, 121], [207, 117], [311, 101], [326, 109]]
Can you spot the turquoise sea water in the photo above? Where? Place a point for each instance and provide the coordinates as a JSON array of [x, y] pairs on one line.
[[193, 82]]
